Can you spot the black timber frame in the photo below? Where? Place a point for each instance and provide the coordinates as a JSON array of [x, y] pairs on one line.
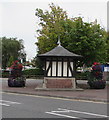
[[62, 60]]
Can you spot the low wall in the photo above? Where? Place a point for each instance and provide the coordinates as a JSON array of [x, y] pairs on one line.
[[59, 82]]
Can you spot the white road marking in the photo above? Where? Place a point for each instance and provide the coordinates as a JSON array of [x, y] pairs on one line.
[[7, 103], [60, 110], [4, 104], [63, 111], [63, 115], [93, 114], [11, 102]]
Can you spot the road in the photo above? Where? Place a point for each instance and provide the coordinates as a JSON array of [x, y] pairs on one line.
[[31, 106]]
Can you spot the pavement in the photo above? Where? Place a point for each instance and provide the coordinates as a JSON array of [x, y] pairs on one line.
[[96, 95]]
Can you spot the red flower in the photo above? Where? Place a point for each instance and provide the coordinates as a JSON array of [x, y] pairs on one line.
[[95, 63]]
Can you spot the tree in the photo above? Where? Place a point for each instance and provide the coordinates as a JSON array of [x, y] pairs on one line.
[[86, 39], [11, 59], [11, 49], [107, 46], [50, 27]]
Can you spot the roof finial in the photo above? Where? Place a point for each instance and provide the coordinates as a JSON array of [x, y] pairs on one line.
[[59, 42]]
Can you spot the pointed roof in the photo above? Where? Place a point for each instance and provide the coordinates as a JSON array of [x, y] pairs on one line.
[[59, 51]]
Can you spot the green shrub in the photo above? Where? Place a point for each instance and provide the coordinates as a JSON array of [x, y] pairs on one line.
[[5, 74], [82, 75], [30, 72]]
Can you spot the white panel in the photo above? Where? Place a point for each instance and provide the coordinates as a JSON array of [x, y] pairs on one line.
[[71, 63], [59, 68], [47, 65], [49, 72], [53, 68], [65, 69], [70, 73]]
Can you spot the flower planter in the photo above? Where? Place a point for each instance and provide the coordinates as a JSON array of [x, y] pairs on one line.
[[100, 84], [95, 78], [17, 82]]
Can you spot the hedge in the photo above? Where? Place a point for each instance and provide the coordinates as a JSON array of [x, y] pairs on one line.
[[40, 73], [33, 72], [82, 75], [28, 73], [5, 74]]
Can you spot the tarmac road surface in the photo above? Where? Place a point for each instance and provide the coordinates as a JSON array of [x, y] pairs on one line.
[[31, 106]]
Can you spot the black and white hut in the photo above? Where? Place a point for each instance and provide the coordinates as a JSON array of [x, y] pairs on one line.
[[59, 63]]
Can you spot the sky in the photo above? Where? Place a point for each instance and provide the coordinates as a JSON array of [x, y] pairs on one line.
[[18, 18]]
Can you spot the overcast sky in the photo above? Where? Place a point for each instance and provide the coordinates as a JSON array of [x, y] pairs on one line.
[[18, 18]]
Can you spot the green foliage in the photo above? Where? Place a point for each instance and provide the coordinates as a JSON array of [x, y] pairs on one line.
[[82, 75], [51, 27], [107, 46], [11, 50], [30, 72], [39, 63], [11, 60], [5, 74], [86, 39]]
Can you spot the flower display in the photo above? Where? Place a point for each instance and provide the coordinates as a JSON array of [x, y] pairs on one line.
[[95, 77]]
